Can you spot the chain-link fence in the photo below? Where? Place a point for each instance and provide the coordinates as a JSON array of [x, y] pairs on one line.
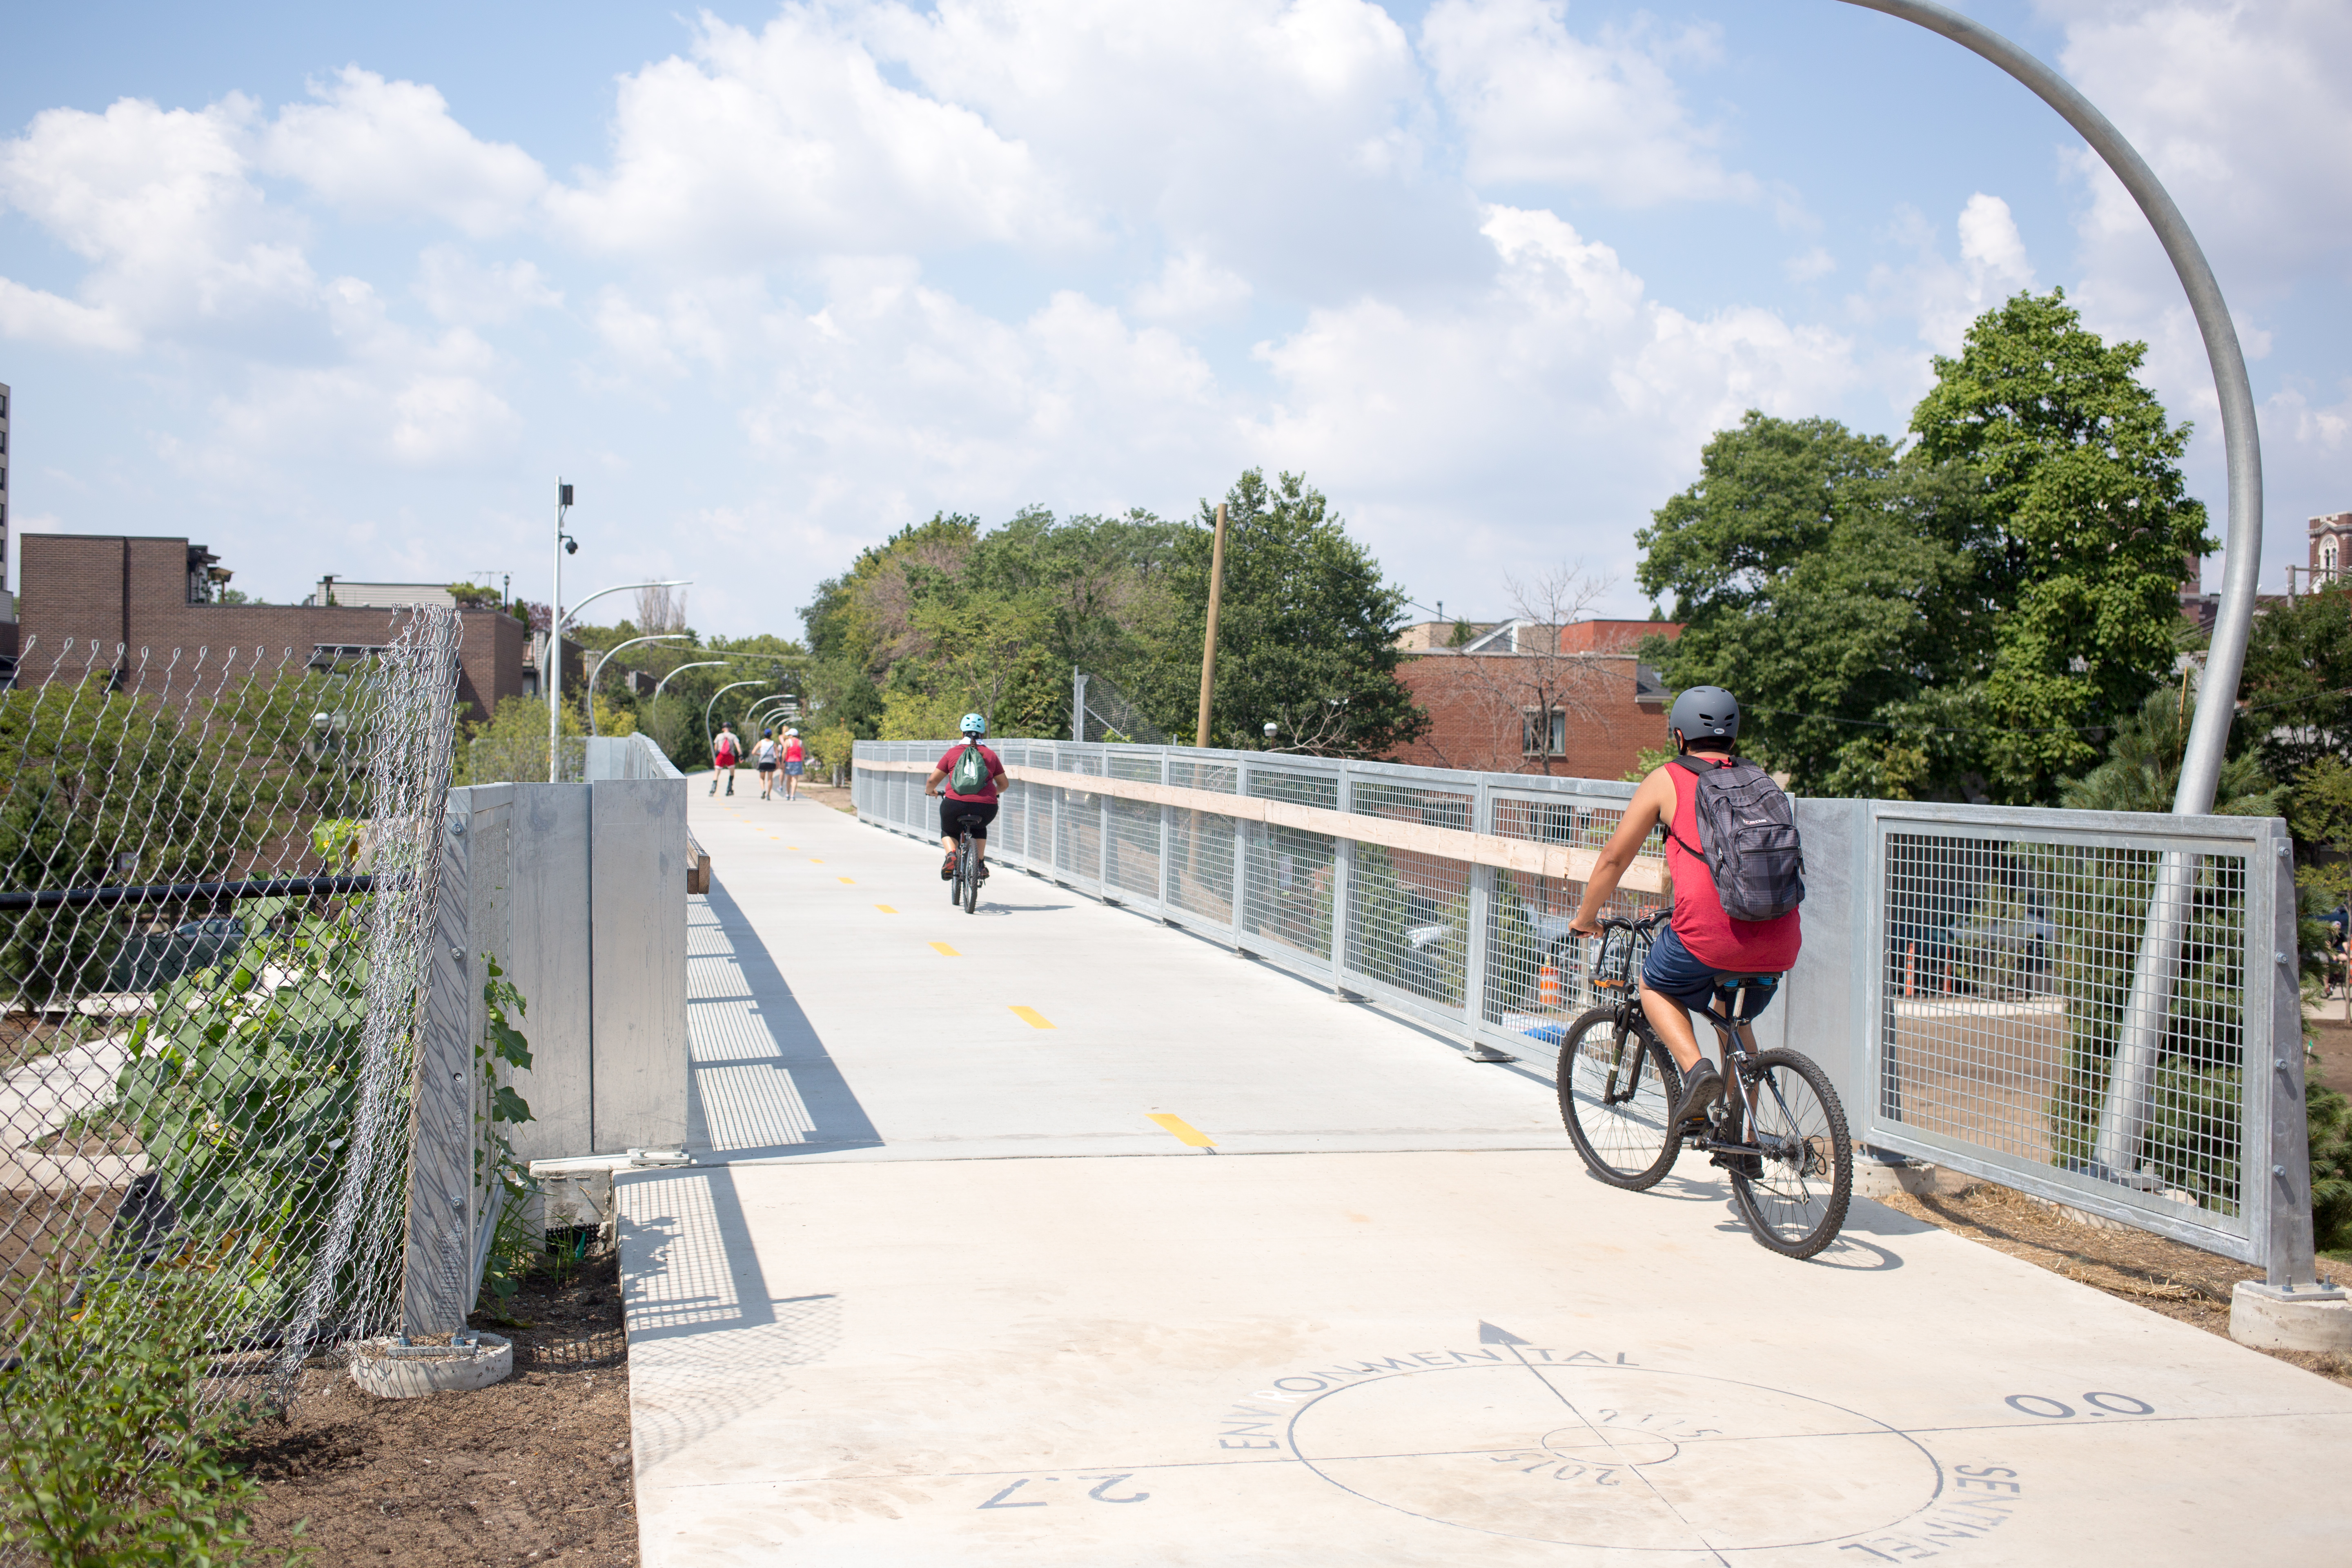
[[2097, 1009], [218, 891]]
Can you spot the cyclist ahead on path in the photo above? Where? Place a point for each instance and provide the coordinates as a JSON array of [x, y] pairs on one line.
[[973, 776], [1703, 942]]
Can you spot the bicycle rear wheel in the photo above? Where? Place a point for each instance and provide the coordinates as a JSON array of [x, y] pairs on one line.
[[962, 866], [970, 850], [1617, 1088], [1796, 1200]]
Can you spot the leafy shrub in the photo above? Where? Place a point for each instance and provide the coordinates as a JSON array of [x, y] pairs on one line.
[[2329, 1115], [110, 1461], [242, 1090], [496, 1167]]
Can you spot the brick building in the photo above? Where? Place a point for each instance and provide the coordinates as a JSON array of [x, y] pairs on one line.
[[159, 595], [1526, 697]]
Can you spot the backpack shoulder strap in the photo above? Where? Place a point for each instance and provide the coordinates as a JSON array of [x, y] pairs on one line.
[[1683, 761]]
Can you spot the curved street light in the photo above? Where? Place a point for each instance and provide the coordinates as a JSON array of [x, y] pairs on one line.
[[2122, 1118], [559, 618], [719, 693], [608, 653], [751, 715], [2208, 734], [681, 669]]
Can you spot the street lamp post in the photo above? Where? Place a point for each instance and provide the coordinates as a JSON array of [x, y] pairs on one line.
[[557, 618], [607, 654], [719, 693]]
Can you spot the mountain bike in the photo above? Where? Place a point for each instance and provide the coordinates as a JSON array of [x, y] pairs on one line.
[[1780, 1130], [965, 887]]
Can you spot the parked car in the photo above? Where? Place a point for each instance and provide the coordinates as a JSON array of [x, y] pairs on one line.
[[151, 960]]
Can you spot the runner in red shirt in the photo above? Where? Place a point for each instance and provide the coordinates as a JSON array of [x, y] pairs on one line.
[[973, 807]]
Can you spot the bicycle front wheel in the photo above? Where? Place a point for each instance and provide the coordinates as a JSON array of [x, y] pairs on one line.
[[1617, 1090], [1794, 1192]]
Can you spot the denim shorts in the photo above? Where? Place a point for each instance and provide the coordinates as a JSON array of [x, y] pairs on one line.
[[1671, 971]]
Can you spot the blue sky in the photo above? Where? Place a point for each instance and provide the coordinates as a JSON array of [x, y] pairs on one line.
[[342, 290]]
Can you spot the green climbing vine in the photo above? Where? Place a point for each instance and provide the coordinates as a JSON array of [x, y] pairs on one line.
[[497, 1166]]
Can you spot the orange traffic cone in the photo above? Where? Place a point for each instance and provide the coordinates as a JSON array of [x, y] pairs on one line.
[[1547, 987]]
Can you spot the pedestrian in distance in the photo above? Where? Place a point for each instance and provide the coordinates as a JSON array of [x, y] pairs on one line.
[[764, 754], [725, 752], [796, 763]]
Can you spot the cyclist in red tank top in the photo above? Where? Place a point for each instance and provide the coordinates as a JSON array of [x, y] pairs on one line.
[[1702, 941]]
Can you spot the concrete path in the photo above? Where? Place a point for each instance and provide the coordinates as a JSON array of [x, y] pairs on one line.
[[927, 1308]]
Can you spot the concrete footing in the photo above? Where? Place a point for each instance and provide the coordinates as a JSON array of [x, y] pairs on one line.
[[2308, 1318], [1875, 1179]]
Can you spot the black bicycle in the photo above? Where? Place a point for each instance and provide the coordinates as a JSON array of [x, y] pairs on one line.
[[965, 887], [1778, 1130]]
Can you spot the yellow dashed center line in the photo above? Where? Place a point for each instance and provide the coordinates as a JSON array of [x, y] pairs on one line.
[[847, 881], [1183, 1132], [1034, 1018], [885, 909], [816, 862], [946, 951]]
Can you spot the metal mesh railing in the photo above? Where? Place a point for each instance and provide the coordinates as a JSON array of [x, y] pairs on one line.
[[2047, 1009], [2066, 1002], [217, 884]]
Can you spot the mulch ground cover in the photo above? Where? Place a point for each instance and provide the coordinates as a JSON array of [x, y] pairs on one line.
[[2150, 1271], [532, 1470]]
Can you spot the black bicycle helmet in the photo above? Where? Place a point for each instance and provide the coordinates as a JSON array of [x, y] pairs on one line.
[[1705, 711]]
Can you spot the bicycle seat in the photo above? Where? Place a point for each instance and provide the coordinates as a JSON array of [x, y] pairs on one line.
[[1737, 981]]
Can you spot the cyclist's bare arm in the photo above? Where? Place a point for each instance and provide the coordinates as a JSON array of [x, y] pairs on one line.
[[931, 784], [1652, 804]]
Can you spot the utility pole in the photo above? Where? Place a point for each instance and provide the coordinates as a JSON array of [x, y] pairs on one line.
[[553, 683], [1208, 642]]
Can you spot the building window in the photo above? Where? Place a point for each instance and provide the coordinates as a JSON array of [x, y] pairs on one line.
[[342, 656], [1534, 740], [2327, 556]]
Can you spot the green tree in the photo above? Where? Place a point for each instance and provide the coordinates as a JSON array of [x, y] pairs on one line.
[[2298, 682], [2091, 526], [1307, 630], [2143, 768], [1825, 579]]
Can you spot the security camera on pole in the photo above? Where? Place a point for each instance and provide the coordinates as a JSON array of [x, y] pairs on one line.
[[557, 618]]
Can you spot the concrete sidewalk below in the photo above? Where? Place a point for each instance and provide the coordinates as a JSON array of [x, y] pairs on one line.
[[1409, 1358]]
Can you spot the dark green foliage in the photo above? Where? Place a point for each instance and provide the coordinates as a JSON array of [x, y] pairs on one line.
[[242, 1090], [2329, 1117], [1961, 619], [512, 1243], [2142, 772], [2299, 677], [108, 1462], [1305, 630], [58, 952], [2092, 522], [1824, 578]]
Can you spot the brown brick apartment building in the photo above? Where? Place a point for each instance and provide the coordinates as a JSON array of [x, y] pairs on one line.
[[157, 595], [1523, 698]]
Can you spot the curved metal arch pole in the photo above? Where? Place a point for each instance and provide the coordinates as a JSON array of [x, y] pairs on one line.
[[2280, 1205], [2208, 735]]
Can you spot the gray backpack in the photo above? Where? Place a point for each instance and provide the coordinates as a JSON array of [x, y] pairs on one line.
[[1749, 828]]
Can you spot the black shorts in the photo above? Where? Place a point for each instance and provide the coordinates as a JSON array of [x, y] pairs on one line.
[[767, 767], [956, 814]]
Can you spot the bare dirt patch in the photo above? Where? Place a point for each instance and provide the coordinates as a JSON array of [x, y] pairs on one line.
[[2161, 1275], [534, 1469]]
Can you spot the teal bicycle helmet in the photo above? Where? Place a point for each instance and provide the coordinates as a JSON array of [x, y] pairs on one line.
[[973, 724]]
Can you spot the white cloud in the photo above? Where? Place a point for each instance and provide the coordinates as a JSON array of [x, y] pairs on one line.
[[1540, 105], [390, 149], [1190, 288], [180, 241], [1940, 295], [1814, 263], [792, 141], [36, 316], [461, 291]]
